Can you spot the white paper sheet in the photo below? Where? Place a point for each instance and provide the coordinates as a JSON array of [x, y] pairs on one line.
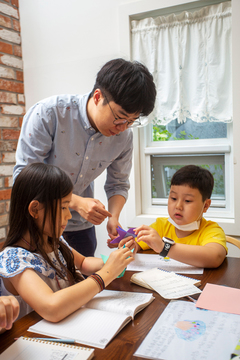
[[168, 284], [144, 262], [185, 332]]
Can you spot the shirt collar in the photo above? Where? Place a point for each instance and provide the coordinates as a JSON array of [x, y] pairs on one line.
[[83, 105]]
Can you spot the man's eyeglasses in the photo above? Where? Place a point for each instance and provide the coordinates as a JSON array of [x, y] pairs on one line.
[[120, 121]]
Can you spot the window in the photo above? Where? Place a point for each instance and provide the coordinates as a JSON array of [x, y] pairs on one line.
[[163, 146]]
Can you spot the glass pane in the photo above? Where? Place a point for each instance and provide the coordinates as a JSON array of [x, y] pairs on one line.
[[163, 168], [189, 130]]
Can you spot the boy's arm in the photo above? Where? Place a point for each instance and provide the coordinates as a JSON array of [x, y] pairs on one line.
[[210, 255]]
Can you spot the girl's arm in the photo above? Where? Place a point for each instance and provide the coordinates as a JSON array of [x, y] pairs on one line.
[[55, 306], [87, 265]]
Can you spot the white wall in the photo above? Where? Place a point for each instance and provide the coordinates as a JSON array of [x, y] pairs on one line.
[[65, 43]]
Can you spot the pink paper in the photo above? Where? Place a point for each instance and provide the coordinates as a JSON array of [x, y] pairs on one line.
[[220, 298]]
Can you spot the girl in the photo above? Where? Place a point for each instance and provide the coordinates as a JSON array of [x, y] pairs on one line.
[[37, 265]]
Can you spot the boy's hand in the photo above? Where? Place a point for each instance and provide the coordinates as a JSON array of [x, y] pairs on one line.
[[150, 237]]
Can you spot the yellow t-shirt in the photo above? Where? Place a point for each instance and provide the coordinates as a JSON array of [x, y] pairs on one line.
[[208, 232]]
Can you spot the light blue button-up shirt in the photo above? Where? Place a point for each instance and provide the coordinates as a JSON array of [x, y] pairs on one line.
[[57, 131]]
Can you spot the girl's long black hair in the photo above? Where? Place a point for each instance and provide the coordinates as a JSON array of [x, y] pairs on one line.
[[47, 184]]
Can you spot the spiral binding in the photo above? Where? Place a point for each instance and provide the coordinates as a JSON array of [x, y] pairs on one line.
[[56, 343]]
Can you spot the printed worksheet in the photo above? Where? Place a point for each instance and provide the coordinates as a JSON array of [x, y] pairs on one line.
[[144, 262], [186, 332]]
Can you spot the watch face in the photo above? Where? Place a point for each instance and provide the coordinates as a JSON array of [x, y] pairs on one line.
[[168, 240]]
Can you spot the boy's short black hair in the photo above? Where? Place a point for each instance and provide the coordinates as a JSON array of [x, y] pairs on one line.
[[197, 178], [128, 84]]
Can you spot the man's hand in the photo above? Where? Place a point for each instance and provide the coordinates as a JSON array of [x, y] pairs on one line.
[[112, 231], [90, 209]]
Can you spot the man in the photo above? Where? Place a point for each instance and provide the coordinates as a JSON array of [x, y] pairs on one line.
[[84, 135]]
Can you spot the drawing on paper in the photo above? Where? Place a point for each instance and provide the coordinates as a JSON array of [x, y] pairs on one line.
[[190, 330]]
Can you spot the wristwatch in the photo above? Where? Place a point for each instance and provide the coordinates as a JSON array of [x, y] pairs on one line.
[[167, 246]]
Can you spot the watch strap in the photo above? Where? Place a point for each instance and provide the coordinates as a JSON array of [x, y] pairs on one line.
[[165, 249]]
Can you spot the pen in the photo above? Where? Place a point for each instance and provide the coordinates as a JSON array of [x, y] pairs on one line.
[[193, 300], [67, 341]]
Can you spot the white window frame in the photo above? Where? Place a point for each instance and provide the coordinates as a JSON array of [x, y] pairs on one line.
[[139, 209]]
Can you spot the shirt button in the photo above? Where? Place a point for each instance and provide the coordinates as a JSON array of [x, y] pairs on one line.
[[92, 138], [81, 175], [86, 157]]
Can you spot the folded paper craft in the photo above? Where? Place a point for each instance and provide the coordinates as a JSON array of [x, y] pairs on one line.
[[122, 234]]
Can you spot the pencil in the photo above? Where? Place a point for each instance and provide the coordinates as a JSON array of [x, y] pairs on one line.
[[67, 341]]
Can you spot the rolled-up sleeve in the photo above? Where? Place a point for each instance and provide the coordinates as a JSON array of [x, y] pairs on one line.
[[117, 182]]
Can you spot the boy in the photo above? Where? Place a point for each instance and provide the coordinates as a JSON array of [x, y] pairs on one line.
[[189, 198], [86, 134]]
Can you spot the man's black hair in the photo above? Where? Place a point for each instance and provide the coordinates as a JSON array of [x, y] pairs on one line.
[[128, 84]]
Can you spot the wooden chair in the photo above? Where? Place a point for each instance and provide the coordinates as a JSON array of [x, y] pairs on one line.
[[233, 241]]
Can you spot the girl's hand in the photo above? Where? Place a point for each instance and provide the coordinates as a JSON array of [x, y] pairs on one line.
[[150, 237], [118, 260], [130, 243]]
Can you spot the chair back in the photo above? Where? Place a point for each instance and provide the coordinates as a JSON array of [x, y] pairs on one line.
[[233, 241]]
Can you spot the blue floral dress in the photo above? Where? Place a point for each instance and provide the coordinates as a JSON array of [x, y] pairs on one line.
[[14, 260]]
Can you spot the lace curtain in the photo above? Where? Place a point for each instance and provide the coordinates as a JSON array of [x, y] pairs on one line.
[[189, 56]]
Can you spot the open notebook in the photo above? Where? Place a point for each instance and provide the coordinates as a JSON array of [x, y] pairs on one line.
[[31, 349], [99, 320]]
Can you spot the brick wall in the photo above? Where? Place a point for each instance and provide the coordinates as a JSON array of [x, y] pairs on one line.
[[11, 101]]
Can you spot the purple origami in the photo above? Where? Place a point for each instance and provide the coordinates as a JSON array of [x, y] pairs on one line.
[[122, 234]]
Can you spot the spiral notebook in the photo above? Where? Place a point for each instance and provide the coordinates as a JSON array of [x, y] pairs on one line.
[[29, 348]]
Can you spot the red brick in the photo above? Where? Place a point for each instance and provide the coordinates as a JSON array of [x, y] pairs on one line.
[[15, 3], [9, 121], [11, 86], [16, 25], [2, 206], [19, 75], [17, 50], [9, 134], [8, 182], [5, 194], [6, 48], [9, 98], [7, 205], [5, 21], [8, 145], [20, 120]]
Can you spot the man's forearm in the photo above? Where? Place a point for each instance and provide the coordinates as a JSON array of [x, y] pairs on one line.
[[115, 205]]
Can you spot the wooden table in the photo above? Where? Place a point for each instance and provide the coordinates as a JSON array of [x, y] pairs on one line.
[[129, 339]]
